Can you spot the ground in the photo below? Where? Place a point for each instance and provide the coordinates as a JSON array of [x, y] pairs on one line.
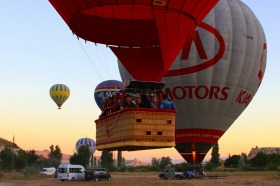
[[147, 179]]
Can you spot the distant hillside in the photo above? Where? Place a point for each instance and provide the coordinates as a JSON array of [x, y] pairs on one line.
[[5, 143], [45, 153], [265, 150]]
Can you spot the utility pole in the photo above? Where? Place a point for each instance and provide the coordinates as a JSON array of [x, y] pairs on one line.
[[13, 152]]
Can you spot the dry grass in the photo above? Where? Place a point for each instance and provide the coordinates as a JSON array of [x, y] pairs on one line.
[[148, 179]]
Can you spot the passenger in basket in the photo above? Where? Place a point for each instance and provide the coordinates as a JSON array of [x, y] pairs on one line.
[[109, 107], [146, 101], [128, 102], [139, 102], [165, 103], [154, 103]]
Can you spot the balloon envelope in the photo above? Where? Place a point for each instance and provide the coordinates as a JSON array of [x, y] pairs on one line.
[[59, 94], [214, 77], [86, 141], [106, 89], [146, 35]]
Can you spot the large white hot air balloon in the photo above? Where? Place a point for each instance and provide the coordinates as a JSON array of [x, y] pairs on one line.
[[215, 77]]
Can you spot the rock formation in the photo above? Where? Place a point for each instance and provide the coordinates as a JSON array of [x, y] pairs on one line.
[[265, 150]]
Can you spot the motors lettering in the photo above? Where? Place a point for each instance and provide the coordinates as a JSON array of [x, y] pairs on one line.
[[199, 92]]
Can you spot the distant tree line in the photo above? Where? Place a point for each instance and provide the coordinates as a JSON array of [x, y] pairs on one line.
[[10, 160], [260, 162], [241, 162], [28, 160]]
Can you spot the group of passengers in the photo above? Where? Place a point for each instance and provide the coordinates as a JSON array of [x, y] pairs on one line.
[[145, 102], [142, 101]]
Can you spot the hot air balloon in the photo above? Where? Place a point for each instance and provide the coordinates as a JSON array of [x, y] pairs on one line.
[[106, 89], [146, 35], [59, 94], [88, 142], [215, 77]]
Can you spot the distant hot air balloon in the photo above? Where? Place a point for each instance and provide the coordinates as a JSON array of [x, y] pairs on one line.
[[86, 141], [215, 77], [146, 35], [59, 93], [106, 89]]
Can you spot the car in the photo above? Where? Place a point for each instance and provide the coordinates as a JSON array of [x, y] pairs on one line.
[[71, 172], [97, 174], [48, 171]]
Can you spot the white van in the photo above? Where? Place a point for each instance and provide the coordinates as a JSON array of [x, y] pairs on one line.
[[48, 171], [70, 172]]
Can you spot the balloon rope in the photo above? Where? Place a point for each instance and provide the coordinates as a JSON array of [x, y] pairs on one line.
[[109, 128], [92, 63], [114, 123]]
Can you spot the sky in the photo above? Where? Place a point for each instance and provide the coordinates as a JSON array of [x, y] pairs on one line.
[[38, 50]]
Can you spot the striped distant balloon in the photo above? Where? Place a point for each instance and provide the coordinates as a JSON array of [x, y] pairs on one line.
[[59, 93], [86, 141]]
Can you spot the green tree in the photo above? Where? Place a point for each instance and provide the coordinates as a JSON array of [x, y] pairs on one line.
[[107, 160], [74, 159], [215, 159], [6, 157], [94, 161], [123, 162], [183, 166], [209, 166], [165, 161], [49, 162], [273, 161], [119, 164], [123, 166], [155, 161], [260, 160], [241, 163], [273, 158], [22, 160], [232, 161], [82, 157], [32, 158], [245, 157], [55, 152]]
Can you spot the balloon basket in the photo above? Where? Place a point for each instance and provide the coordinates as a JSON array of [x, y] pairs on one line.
[[136, 129]]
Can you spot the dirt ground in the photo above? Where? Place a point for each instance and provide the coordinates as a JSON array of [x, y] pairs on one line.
[[147, 179]]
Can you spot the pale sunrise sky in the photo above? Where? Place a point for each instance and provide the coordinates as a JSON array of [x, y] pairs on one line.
[[37, 50]]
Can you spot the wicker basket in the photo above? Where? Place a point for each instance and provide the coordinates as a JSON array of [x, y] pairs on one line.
[[136, 129]]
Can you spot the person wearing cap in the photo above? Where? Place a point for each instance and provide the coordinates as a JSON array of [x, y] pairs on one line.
[[165, 103]]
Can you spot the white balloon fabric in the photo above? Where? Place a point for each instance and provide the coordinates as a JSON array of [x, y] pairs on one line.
[[86, 141], [215, 77]]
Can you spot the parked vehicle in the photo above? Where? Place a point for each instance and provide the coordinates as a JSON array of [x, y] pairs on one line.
[[48, 171], [97, 174], [70, 172], [170, 173]]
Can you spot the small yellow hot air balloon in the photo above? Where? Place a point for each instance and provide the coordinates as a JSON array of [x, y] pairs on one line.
[[59, 93]]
